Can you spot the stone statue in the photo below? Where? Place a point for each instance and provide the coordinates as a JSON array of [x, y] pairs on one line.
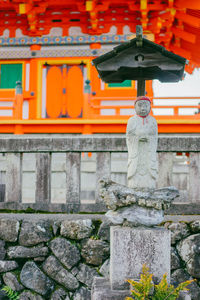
[[141, 138], [139, 204]]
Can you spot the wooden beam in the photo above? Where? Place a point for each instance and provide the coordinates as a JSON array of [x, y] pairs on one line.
[[189, 37], [191, 20], [192, 4], [181, 51]]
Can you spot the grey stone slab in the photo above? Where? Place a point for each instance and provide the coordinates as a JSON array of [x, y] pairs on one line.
[[111, 142], [175, 209], [62, 217], [133, 247]]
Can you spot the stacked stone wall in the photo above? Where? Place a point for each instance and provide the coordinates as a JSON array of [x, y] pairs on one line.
[[56, 260]]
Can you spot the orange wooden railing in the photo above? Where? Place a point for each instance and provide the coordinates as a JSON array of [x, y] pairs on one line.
[[174, 118], [96, 107]]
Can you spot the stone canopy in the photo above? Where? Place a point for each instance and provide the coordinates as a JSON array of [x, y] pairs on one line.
[[140, 59]]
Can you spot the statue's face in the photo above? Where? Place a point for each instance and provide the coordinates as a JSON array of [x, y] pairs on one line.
[[142, 108]]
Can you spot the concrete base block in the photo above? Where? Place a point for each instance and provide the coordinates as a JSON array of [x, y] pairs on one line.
[[133, 247], [101, 290]]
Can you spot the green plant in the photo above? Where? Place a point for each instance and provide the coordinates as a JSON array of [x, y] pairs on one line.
[[12, 295], [145, 289]]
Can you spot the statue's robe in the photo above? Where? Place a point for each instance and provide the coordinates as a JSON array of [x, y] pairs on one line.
[[142, 156]]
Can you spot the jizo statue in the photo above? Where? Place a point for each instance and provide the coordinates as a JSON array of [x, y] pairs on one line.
[[141, 138]]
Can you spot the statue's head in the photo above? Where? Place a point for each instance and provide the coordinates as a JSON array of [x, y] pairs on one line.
[[142, 106]]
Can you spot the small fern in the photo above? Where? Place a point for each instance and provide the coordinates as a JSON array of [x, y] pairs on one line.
[[146, 290], [12, 295]]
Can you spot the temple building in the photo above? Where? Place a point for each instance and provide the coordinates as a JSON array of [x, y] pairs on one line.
[[47, 47]]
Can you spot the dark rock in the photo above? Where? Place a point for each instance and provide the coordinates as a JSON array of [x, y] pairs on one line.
[[2, 249], [86, 274], [195, 226], [59, 294], [9, 230], [56, 227], [189, 250], [33, 233], [34, 279], [104, 231], [175, 260], [193, 266], [95, 251], [76, 230], [179, 276], [25, 252], [67, 253], [178, 231], [27, 295], [7, 265], [3, 295], [82, 294], [56, 271], [105, 269], [10, 280]]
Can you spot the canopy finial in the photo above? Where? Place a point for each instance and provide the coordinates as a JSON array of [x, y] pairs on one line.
[[139, 33]]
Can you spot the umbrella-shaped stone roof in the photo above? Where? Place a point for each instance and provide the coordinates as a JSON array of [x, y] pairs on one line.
[[140, 59]]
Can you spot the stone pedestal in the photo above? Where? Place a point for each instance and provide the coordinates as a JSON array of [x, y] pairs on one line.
[[133, 247], [130, 249]]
